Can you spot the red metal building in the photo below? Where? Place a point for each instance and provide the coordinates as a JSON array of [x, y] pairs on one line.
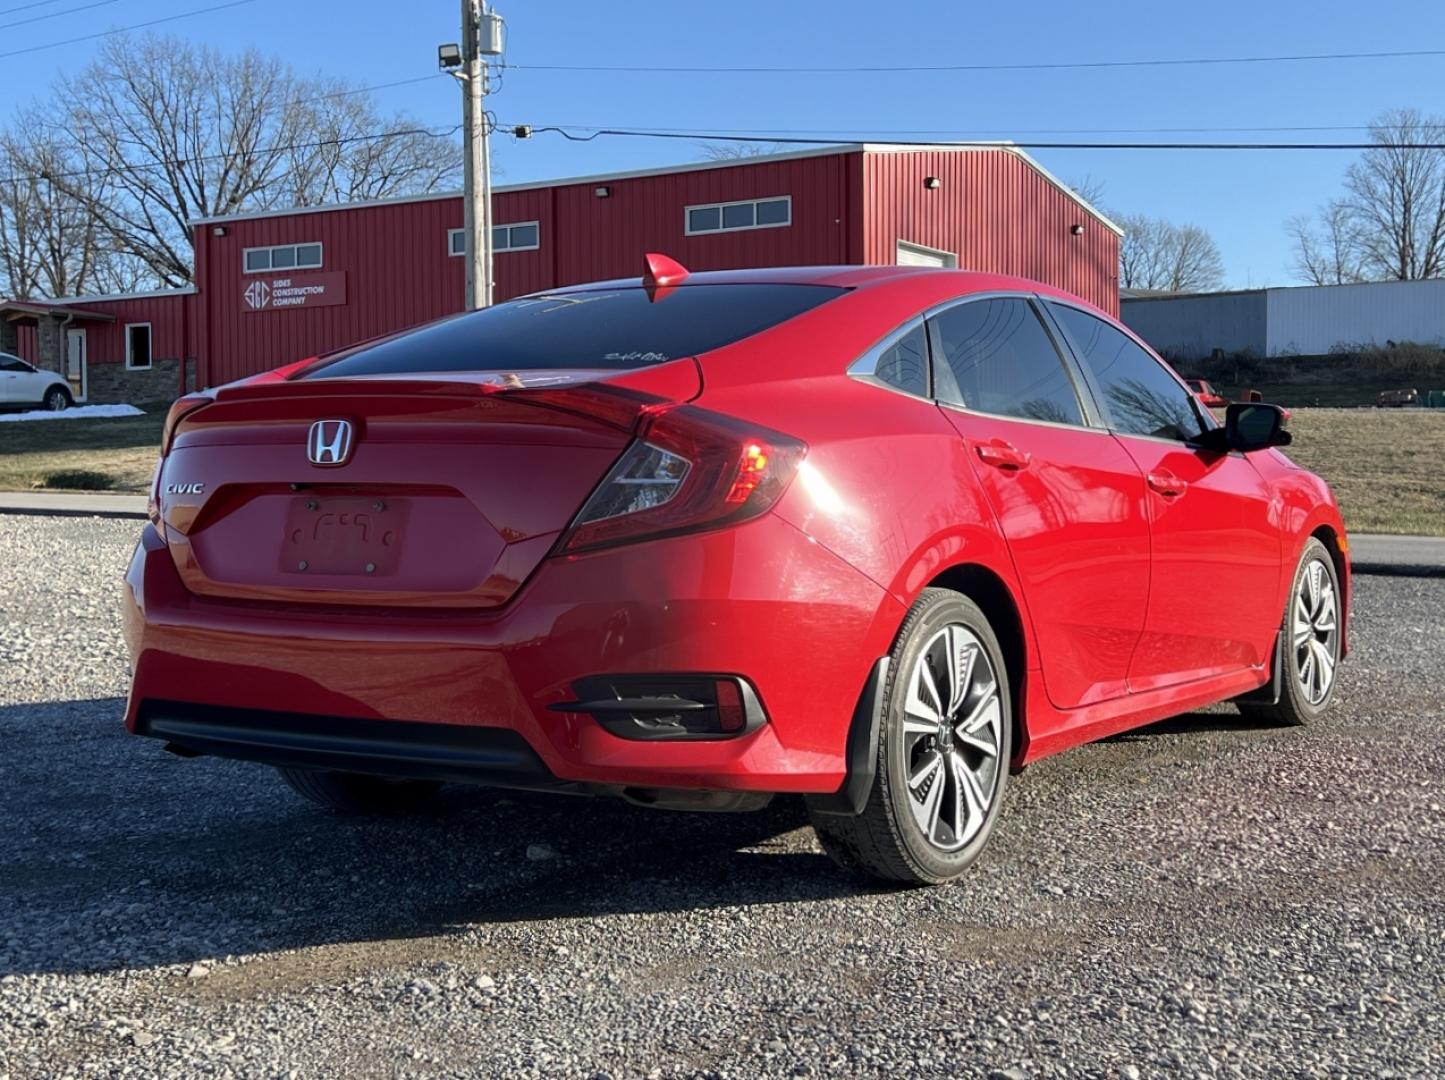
[[277, 286]]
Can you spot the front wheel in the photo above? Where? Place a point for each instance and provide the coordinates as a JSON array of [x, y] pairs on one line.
[[353, 793], [56, 399], [943, 751], [1304, 679]]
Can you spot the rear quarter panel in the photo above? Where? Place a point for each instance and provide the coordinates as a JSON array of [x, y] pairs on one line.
[[1304, 504]]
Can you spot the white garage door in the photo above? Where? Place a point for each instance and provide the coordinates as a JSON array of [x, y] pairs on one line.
[[918, 255]]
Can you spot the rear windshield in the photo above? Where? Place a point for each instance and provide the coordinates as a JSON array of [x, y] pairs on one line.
[[607, 328]]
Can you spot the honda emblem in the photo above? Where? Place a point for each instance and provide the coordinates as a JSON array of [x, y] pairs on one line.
[[329, 442]]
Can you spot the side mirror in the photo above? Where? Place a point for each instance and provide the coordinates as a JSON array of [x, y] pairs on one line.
[[1250, 426]]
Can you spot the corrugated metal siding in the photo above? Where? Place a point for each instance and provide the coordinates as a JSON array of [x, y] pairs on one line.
[[1191, 327], [605, 238], [172, 334], [399, 272], [173, 328], [995, 212], [1313, 321]]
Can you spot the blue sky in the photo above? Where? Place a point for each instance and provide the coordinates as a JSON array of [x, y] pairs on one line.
[[1242, 198]]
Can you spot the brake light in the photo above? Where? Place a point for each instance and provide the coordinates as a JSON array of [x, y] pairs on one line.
[[180, 408], [688, 470]]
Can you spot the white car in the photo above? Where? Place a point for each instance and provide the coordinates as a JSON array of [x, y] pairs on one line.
[[23, 386]]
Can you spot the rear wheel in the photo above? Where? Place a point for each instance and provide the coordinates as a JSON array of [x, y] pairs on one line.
[[1310, 657], [943, 751], [57, 399], [354, 793]]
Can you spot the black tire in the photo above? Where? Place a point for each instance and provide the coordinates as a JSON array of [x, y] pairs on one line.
[[57, 399], [1298, 703], [354, 793], [889, 840]]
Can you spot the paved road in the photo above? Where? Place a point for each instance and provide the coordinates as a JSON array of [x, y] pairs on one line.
[[1203, 897], [1421, 555]]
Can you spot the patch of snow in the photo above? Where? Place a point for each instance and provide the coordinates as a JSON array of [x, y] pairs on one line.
[[80, 412]]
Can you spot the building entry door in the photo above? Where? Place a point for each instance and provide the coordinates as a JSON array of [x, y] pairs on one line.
[[75, 362]]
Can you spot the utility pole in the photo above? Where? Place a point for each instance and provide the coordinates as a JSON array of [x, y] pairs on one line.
[[481, 37]]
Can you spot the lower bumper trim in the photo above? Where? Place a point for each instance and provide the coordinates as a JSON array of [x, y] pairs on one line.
[[451, 753]]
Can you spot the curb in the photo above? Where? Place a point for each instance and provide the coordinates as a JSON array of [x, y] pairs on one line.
[[1367, 569], [55, 511], [1370, 569]]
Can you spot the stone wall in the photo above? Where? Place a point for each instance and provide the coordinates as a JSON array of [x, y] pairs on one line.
[[112, 383]]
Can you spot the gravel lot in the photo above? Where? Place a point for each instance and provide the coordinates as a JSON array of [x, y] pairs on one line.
[[1203, 897]]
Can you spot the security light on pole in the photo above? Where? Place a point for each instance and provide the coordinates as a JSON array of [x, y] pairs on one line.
[[482, 36]]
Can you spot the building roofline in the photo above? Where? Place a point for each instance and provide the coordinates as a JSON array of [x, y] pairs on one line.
[[26, 309], [830, 150], [1160, 296], [1437, 282], [184, 290]]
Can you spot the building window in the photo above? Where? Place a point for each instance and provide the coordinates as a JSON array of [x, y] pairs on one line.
[[771, 213], [523, 236], [263, 260], [138, 346]]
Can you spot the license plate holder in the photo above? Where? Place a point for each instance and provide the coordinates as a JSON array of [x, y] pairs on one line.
[[343, 534]]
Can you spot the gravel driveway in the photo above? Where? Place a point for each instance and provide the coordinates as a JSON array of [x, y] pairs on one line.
[[1201, 897]]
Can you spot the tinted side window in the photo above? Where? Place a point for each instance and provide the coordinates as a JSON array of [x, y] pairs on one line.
[[996, 357], [904, 364], [10, 363], [1140, 396]]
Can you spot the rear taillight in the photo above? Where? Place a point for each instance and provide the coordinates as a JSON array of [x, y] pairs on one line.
[[688, 470], [180, 408]]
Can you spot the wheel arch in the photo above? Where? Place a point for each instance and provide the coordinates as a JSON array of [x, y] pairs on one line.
[[987, 588], [1005, 615], [1327, 535]]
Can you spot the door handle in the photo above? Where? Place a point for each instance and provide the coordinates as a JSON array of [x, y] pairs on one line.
[[1167, 484], [1002, 455]]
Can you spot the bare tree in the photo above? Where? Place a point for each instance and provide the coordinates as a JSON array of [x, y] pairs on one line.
[[739, 151], [50, 242], [1328, 251], [1157, 254], [342, 162], [1396, 197], [1088, 188], [177, 132]]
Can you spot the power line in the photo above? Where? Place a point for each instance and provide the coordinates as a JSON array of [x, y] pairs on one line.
[[984, 144], [57, 14], [1076, 65], [27, 7], [126, 29], [832, 134], [260, 151]]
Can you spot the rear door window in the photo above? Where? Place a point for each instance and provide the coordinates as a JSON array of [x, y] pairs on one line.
[[1140, 396], [617, 329], [994, 356]]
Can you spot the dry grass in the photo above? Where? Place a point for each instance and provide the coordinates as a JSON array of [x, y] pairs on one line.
[[1387, 466], [103, 454]]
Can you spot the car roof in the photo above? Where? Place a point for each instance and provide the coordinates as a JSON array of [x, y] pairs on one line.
[[846, 277]]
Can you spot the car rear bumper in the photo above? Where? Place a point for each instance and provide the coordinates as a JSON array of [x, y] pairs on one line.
[[440, 693]]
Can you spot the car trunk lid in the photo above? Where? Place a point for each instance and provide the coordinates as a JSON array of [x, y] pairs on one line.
[[450, 493]]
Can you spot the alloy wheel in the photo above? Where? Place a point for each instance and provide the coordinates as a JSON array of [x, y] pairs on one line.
[[952, 734], [1315, 632]]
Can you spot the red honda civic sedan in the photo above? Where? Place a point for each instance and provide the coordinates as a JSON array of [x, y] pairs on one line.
[[878, 536]]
